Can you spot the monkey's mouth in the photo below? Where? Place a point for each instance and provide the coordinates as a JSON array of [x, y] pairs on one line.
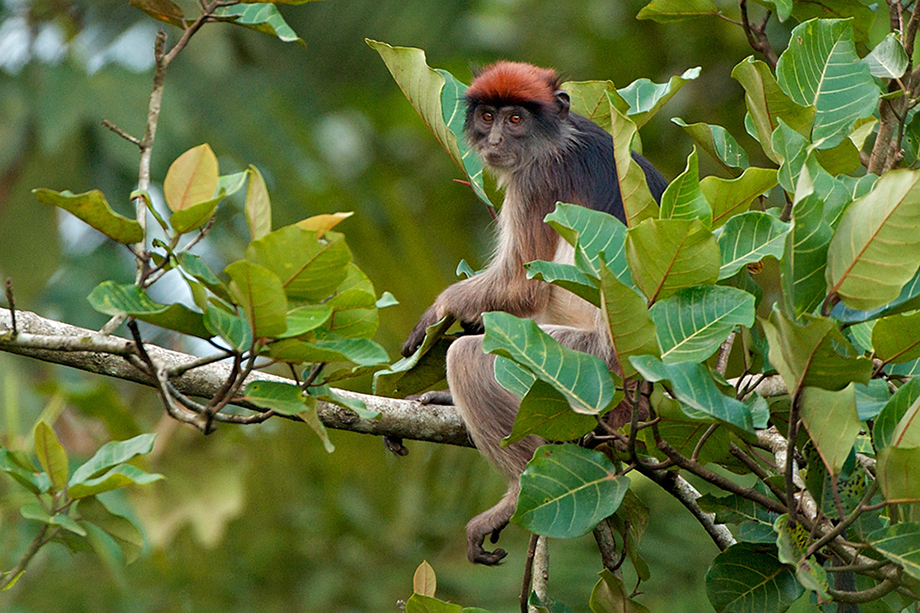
[[499, 160]]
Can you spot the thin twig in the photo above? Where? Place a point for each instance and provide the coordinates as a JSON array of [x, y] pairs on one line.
[[528, 573], [111, 126]]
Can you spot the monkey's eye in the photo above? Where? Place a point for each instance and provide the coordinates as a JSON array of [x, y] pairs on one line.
[[515, 119], [488, 116]]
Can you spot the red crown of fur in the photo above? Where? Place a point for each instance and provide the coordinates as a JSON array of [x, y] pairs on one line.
[[514, 83]]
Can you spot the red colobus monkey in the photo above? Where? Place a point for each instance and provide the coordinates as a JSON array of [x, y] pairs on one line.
[[518, 121]]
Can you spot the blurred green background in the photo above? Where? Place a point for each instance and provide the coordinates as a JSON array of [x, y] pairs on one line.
[[261, 518]]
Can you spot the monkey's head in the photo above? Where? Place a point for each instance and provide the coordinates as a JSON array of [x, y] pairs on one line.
[[515, 113]]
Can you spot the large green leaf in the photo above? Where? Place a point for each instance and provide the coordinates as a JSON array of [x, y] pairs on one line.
[[117, 477], [693, 386], [717, 142], [747, 577], [566, 490], [112, 299], [259, 293], [425, 89], [899, 473], [583, 379], [683, 198], [546, 413], [638, 203], [900, 544], [453, 106], [832, 423], [755, 524], [626, 314], [767, 104], [904, 401], [820, 68], [888, 60], [692, 323], [310, 268], [810, 355], [749, 238], [283, 398], [330, 347], [261, 17], [92, 208], [591, 99], [51, 455], [592, 233], [231, 327], [729, 197], [646, 98], [876, 248], [566, 276], [677, 10], [667, 255], [111, 454], [805, 256], [897, 338]]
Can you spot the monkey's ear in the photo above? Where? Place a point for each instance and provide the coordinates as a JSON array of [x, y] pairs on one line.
[[561, 100]]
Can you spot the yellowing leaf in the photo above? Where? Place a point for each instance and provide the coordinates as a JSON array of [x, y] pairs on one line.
[[191, 179]]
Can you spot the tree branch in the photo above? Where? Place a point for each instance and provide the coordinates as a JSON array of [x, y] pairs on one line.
[[60, 343]]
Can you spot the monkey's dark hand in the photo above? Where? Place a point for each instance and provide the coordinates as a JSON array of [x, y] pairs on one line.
[[417, 336], [478, 555]]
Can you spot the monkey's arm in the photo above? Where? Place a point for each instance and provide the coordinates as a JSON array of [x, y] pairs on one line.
[[495, 289]]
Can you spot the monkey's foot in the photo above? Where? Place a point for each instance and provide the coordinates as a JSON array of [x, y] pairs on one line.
[[440, 397]]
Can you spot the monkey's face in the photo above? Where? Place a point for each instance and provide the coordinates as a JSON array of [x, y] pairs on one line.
[[502, 136]]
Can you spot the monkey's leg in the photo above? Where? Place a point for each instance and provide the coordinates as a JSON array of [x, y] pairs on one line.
[[488, 410]]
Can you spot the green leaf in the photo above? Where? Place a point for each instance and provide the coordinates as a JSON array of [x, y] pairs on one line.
[[888, 60], [792, 545], [191, 178], [755, 524], [805, 257], [419, 371], [751, 237], [862, 15], [193, 217], [820, 68], [419, 603], [92, 208], [749, 577], [424, 87], [832, 423], [24, 475], [667, 255], [112, 299], [566, 276], [638, 203], [261, 17], [117, 477], [51, 455], [231, 327], [112, 454], [261, 296], [646, 98], [121, 529], [899, 473], [875, 250], [717, 142], [583, 379], [453, 106], [693, 386], [900, 544], [546, 413], [513, 377], [355, 405], [729, 197], [258, 206], [694, 322], [683, 198], [808, 356], [282, 398], [767, 104], [663, 11], [590, 99], [902, 402], [310, 268], [330, 347], [311, 418], [592, 233], [36, 511], [610, 596], [896, 338], [194, 267], [304, 319], [566, 490], [626, 314]]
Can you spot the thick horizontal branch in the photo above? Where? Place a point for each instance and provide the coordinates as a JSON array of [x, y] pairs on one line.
[[60, 343]]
